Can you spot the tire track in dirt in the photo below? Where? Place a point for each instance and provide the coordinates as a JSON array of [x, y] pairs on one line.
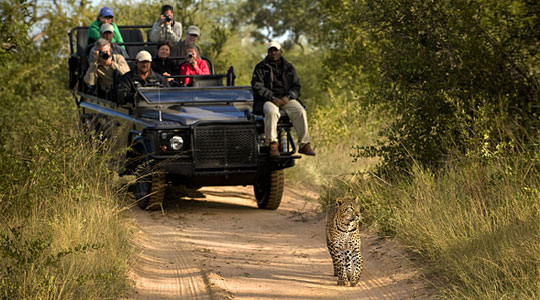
[[163, 269], [222, 247]]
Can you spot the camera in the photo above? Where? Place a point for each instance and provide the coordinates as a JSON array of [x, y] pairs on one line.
[[167, 18], [190, 55], [104, 55]]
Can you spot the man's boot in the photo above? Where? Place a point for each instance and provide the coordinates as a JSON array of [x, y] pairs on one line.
[[306, 150], [273, 149]]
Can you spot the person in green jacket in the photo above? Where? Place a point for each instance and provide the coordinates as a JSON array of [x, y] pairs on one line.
[[105, 16]]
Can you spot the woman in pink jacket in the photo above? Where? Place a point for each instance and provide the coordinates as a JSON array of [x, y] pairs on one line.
[[193, 66]]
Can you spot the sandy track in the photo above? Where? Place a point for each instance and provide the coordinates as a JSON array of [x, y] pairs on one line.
[[215, 244]]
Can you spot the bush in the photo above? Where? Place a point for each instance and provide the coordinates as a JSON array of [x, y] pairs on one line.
[[439, 69]]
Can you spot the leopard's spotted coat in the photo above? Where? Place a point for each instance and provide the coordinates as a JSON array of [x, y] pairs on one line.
[[343, 241]]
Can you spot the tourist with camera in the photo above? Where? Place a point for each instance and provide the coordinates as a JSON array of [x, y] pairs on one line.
[[166, 28], [107, 32], [193, 66], [102, 69]]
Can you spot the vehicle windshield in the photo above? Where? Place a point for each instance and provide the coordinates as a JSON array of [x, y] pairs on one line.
[[171, 95]]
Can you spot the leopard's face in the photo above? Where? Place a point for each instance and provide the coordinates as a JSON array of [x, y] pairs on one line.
[[348, 211]]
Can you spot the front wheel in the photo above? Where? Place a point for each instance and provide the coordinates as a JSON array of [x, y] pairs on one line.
[[149, 187], [269, 189]]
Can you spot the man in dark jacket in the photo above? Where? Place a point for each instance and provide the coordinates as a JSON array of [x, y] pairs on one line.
[[276, 87], [141, 76]]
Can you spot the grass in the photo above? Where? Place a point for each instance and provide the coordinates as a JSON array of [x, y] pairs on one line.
[[476, 225], [62, 235]]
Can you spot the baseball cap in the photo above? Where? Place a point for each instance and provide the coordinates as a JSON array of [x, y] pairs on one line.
[[274, 45], [194, 30], [106, 12], [144, 56], [106, 27]]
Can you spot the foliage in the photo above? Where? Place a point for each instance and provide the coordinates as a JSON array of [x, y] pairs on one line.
[[297, 20], [61, 235], [444, 70], [441, 80]]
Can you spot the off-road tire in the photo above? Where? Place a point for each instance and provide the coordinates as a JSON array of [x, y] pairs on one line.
[[149, 187], [269, 189]]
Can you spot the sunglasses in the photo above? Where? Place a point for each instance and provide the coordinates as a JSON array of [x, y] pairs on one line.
[[108, 17]]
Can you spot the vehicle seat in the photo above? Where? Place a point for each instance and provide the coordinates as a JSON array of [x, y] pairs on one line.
[[82, 34], [133, 36], [84, 66], [208, 80]]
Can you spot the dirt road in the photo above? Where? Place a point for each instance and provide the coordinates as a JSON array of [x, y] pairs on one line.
[[216, 244]]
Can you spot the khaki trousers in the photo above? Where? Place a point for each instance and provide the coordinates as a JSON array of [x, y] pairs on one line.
[[297, 115]]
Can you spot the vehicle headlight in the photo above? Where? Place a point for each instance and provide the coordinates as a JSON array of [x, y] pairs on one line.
[[177, 142]]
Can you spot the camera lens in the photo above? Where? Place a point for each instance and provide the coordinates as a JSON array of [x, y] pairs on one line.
[[190, 55], [104, 55], [167, 18]]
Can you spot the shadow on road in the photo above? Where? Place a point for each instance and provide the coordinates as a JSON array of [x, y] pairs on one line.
[[186, 199]]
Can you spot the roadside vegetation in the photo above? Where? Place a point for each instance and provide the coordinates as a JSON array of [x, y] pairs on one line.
[[451, 90], [426, 112], [61, 232]]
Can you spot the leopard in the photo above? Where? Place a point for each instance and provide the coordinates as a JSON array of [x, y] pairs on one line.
[[343, 241]]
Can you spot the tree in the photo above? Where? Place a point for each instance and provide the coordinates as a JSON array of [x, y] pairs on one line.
[[297, 20], [445, 71]]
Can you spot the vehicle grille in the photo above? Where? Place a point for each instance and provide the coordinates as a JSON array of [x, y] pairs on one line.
[[225, 146]]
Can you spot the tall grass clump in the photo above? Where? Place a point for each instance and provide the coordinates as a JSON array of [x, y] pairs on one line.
[[61, 233], [478, 223], [475, 222]]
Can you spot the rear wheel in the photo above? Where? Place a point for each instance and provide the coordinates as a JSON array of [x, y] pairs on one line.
[[149, 187], [269, 189]]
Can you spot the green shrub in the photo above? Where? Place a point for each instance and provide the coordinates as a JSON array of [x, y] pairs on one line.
[[440, 70]]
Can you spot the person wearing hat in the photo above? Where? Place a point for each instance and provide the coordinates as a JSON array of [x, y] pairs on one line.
[[107, 32], [276, 87], [105, 17], [179, 49], [166, 28], [102, 69], [142, 76]]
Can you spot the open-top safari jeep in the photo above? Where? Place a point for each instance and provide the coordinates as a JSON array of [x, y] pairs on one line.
[[205, 135]]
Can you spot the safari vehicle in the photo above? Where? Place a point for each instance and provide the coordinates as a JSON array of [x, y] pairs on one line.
[[205, 135]]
